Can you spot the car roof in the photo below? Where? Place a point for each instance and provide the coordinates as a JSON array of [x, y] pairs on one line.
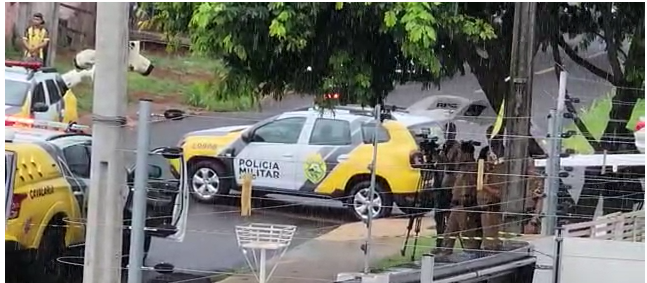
[[356, 110], [24, 75], [33, 134]]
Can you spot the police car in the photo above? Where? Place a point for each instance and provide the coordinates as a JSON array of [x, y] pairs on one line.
[[40, 93], [46, 189], [315, 153]]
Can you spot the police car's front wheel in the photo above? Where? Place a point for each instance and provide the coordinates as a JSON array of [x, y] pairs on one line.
[[208, 180], [359, 201]]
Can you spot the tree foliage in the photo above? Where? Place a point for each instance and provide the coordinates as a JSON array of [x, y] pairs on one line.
[[614, 24], [359, 49]]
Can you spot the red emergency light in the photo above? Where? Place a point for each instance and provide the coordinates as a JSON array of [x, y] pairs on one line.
[[331, 96], [28, 65]]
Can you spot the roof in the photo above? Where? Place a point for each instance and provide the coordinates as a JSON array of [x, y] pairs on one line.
[[32, 134], [23, 74]]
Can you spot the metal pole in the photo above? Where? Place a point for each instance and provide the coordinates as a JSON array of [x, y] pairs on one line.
[[549, 221], [262, 277], [138, 223], [557, 257], [519, 106], [102, 261], [427, 268], [369, 220]]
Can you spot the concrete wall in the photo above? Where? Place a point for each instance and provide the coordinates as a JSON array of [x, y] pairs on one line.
[[592, 261]]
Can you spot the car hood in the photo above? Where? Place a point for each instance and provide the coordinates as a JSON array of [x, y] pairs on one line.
[[11, 110], [221, 131]]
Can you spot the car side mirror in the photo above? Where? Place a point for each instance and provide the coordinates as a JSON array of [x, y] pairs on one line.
[[39, 107], [154, 172], [246, 136]]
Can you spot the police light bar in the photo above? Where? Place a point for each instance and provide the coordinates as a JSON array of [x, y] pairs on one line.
[[331, 96], [28, 65], [10, 121]]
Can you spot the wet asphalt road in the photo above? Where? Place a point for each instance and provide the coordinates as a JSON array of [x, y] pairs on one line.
[[210, 243]]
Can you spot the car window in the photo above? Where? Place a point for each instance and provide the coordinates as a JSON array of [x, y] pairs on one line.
[[38, 94], [15, 92], [330, 132], [368, 131], [53, 91], [62, 86], [280, 131], [78, 160]]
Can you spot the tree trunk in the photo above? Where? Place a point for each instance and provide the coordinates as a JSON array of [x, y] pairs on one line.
[[616, 136]]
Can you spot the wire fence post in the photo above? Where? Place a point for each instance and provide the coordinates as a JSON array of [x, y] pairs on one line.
[[555, 126], [557, 257], [427, 268], [138, 223], [369, 217]]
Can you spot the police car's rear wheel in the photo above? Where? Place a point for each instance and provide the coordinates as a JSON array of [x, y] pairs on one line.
[[359, 204], [46, 267], [208, 180]]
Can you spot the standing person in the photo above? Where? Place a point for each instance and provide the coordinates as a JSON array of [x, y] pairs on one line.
[[463, 219], [489, 198], [36, 39]]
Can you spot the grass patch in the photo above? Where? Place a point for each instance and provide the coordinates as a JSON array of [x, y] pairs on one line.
[[424, 245], [596, 117]]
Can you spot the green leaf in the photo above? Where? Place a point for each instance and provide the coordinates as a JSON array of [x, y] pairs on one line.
[[390, 19], [339, 5]]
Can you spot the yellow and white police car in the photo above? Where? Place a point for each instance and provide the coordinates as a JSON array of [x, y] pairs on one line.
[[47, 175], [40, 93], [312, 152]]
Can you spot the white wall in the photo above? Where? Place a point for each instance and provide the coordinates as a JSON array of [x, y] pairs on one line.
[[592, 261]]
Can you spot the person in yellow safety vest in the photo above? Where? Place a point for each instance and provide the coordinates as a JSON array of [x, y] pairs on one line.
[[36, 39]]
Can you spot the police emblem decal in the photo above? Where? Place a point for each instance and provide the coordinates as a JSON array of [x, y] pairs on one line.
[[314, 168]]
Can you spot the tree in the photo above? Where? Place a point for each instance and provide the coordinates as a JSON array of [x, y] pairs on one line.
[[614, 24], [355, 48]]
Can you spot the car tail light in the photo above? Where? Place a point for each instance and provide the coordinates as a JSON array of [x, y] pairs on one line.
[[640, 125], [15, 205], [416, 159]]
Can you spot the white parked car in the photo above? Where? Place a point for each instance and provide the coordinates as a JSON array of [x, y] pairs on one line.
[[639, 134]]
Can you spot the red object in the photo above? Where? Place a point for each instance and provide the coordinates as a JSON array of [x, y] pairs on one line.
[[331, 96], [640, 125], [28, 65], [15, 205]]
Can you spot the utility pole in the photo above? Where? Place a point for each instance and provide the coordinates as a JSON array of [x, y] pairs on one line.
[[138, 223], [555, 126], [371, 192], [517, 115], [102, 262], [52, 22]]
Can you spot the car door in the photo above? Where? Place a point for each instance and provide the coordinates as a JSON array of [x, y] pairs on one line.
[[328, 142], [77, 164], [55, 100], [270, 154]]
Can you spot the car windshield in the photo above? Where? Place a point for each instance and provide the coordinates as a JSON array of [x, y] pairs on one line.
[[15, 92]]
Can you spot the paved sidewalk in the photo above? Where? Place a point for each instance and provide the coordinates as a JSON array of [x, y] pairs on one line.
[[321, 259]]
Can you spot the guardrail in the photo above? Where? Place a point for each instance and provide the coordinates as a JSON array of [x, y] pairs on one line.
[[617, 226]]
